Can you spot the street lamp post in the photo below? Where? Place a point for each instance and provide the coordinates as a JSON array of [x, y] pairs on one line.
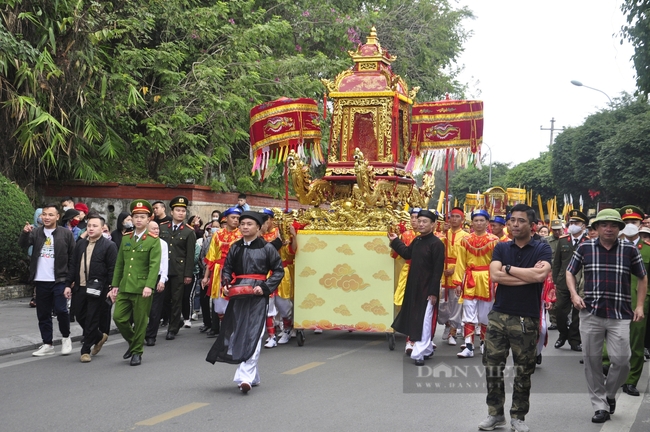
[[490, 175], [579, 84]]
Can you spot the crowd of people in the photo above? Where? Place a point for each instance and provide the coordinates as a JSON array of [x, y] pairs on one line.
[[502, 277], [497, 278]]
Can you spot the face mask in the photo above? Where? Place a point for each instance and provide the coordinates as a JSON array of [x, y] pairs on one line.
[[574, 229], [127, 225], [74, 223], [66, 209], [106, 236], [630, 230]]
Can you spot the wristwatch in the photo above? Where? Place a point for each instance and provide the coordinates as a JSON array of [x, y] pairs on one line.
[[508, 269]]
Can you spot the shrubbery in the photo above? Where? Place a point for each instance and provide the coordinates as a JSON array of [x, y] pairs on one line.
[[15, 210]]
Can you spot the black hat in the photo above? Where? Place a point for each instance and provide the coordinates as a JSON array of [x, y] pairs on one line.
[[179, 201], [428, 214], [257, 217], [578, 215], [69, 215]]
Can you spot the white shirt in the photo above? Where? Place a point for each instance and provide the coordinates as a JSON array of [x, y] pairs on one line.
[[164, 263], [45, 263]]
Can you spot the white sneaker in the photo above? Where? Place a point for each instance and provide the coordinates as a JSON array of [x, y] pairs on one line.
[[194, 317], [445, 334], [451, 341], [518, 425], [66, 346], [466, 353], [285, 338], [408, 349], [293, 333], [188, 324], [492, 422], [318, 331], [44, 350], [271, 342]]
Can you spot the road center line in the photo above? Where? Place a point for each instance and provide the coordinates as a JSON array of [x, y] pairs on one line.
[[303, 368], [171, 414], [356, 349]]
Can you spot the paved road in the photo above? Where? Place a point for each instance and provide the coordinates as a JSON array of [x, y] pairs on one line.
[[337, 381]]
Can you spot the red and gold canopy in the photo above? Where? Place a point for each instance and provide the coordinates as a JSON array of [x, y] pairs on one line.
[[455, 125], [282, 125]]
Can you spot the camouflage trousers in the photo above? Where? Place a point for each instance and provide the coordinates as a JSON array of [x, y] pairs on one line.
[[509, 332]]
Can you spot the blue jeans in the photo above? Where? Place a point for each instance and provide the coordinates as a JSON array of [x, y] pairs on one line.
[[49, 296]]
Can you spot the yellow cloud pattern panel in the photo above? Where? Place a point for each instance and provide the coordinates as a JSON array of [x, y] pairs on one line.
[[307, 271], [345, 249], [343, 277], [375, 307], [313, 244], [343, 310], [381, 275], [378, 246], [311, 301]]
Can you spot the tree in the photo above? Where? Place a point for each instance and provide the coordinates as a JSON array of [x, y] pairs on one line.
[[623, 163], [149, 91], [16, 211], [534, 174], [637, 32]]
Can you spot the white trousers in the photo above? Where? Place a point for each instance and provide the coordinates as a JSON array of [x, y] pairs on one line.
[[247, 371], [424, 347], [272, 311], [284, 306], [449, 310], [476, 311], [220, 304]]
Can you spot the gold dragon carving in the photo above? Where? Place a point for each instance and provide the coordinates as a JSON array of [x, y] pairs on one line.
[[307, 191]]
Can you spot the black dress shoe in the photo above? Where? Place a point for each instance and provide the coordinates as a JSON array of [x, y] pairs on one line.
[[203, 329], [631, 389], [582, 361], [127, 355], [552, 327], [150, 341], [170, 336], [538, 359], [136, 360], [419, 362], [212, 334], [601, 416], [612, 405], [577, 347], [560, 342]]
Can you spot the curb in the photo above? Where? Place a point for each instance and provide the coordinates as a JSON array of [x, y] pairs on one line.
[[18, 348]]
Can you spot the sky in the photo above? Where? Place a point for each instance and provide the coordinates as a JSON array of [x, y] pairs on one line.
[[520, 61]]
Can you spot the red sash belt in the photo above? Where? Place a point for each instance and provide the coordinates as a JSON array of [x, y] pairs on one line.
[[469, 279], [258, 276], [221, 261], [240, 290], [408, 262], [450, 260], [287, 263]]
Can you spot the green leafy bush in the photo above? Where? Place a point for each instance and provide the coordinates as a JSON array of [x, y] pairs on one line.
[[15, 209]]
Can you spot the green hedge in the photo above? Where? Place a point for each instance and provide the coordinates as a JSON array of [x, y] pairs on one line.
[[15, 209]]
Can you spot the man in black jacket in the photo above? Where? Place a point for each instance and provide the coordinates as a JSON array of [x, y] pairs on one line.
[[91, 272], [48, 269]]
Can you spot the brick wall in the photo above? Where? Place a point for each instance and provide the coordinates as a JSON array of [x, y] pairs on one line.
[[15, 291]]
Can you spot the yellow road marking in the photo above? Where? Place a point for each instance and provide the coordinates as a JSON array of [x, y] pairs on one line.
[[303, 368], [171, 414]]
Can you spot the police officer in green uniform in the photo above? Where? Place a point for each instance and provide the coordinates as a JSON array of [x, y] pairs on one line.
[[557, 230], [632, 216], [134, 279], [182, 241], [563, 307]]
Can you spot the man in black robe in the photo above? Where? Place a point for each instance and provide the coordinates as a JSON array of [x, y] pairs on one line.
[[244, 279], [427, 255]]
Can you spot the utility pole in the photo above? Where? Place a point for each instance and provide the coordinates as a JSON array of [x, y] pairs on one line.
[[552, 129]]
